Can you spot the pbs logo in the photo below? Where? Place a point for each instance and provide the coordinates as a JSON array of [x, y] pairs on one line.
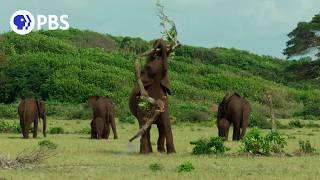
[[23, 22]]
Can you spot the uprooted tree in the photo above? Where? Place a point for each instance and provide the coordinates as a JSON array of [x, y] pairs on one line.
[[170, 34]]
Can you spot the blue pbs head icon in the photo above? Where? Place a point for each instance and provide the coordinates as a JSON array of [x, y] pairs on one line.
[[22, 22]]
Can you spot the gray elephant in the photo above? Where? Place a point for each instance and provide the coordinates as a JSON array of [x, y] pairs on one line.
[[233, 110]]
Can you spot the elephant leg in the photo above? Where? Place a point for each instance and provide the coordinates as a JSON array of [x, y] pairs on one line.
[[236, 131], [145, 139], [149, 140], [35, 128], [113, 126], [22, 126], [162, 138], [168, 131], [25, 130], [107, 130]]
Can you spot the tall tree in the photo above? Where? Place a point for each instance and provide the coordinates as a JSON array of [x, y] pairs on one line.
[[304, 39]]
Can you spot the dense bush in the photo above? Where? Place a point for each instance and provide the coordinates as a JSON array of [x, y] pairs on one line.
[[213, 145], [255, 143]]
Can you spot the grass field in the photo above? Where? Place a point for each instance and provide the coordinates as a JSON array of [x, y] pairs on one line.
[[82, 158]]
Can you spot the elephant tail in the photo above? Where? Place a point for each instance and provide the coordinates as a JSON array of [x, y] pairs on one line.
[[245, 117]]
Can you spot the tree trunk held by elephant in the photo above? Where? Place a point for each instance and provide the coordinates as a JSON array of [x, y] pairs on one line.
[[233, 110], [30, 110]]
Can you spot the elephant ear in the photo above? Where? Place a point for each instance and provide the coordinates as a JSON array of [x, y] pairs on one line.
[[42, 108], [166, 84], [92, 101]]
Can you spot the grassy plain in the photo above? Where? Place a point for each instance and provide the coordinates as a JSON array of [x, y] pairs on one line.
[[82, 158]]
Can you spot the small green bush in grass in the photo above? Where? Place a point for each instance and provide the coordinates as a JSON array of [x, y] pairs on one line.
[[127, 119], [306, 147], [185, 167], [155, 167], [47, 144], [214, 145], [255, 143], [56, 130], [85, 130], [296, 123]]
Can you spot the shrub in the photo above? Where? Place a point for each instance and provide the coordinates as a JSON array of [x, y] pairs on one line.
[[274, 142], [311, 124], [127, 119], [214, 145], [306, 147], [47, 144], [6, 127], [296, 123], [185, 167], [56, 130], [252, 142], [85, 130], [259, 120], [8, 111], [155, 167], [255, 143]]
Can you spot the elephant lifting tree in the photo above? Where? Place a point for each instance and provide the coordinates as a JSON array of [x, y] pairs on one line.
[[155, 81], [30, 111], [233, 110], [103, 117]]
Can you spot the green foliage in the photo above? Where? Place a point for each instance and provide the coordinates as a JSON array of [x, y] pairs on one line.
[[255, 143], [128, 119], [9, 111], [6, 127], [274, 142], [296, 123], [214, 145], [85, 130], [155, 167], [47, 144], [311, 124], [306, 147], [304, 38], [259, 120], [66, 67], [56, 130], [185, 167]]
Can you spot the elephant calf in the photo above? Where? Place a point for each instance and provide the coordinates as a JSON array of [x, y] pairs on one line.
[[98, 128], [30, 110], [103, 117], [233, 110]]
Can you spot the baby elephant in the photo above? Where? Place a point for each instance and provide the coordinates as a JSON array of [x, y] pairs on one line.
[[98, 128], [103, 117]]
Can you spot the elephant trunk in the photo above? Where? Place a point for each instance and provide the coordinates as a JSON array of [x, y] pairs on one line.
[[146, 126]]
